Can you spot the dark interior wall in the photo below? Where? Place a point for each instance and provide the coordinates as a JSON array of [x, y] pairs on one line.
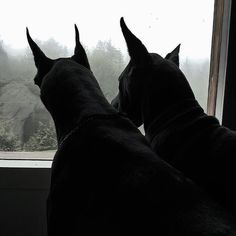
[[23, 194], [229, 110]]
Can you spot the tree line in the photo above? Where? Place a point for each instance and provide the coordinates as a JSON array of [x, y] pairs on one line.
[[36, 133], [24, 122]]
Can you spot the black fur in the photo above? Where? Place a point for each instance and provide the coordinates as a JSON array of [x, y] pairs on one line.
[[106, 180], [157, 94]]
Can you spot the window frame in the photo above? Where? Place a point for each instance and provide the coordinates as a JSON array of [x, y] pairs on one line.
[[218, 59]]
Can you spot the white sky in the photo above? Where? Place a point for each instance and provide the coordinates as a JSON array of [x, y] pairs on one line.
[[160, 24]]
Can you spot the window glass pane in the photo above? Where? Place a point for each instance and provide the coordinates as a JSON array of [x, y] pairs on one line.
[[25, 125]]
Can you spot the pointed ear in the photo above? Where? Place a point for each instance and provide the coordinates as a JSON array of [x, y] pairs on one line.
[[137, 51], [174, 55], [79, 53], [39, 56]]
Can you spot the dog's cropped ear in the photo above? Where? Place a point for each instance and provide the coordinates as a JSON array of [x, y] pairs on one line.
[[39, 56], [79, 53], [174, 55], [138, 53], [43, 63]]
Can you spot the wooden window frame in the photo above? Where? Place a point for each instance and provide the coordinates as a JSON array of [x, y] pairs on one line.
[[219, 55]]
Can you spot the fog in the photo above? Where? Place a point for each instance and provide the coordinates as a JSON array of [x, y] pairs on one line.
[[161, 25]]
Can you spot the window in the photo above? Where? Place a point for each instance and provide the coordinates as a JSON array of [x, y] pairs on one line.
[[25, 125]]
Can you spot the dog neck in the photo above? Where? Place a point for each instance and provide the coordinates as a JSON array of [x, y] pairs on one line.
[[71, 93], [169, 88], [65, 124], [178, 112]]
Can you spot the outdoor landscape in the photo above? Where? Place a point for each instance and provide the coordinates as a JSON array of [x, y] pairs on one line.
[[25, 125]]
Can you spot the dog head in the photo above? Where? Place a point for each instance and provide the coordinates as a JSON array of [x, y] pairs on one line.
[[149, 82], [63, 80]]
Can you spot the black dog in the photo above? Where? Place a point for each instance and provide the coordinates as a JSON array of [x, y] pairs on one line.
[[106, 180], [154, 91]]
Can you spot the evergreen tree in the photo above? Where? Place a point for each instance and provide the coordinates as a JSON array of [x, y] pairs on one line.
[[107, 62], [43, 139], [8, 141], [4, 64]]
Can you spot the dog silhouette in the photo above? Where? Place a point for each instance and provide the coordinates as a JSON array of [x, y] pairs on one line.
[[106, 180], [153, 91]]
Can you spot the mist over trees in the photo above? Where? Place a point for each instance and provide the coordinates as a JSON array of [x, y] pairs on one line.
[[107, 62], [197, 73], [25, 125]]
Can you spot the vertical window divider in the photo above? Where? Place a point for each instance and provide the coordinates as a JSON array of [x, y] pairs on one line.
[[219, 52]]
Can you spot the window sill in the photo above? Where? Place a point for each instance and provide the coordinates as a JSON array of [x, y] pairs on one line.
[[26, 159]]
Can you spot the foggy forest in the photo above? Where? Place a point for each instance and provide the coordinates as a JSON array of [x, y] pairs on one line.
[[25, 125]]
